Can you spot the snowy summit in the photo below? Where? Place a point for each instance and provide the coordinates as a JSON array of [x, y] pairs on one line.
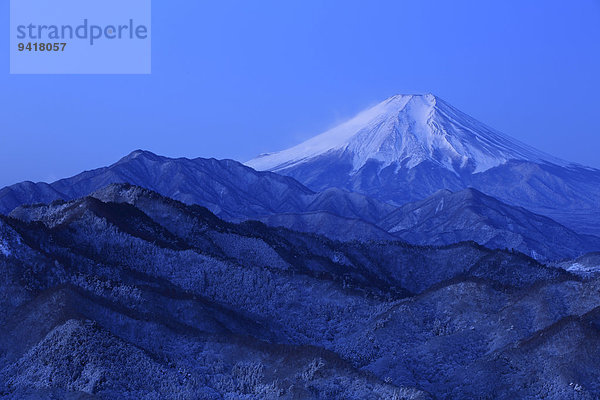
[[407, 130]]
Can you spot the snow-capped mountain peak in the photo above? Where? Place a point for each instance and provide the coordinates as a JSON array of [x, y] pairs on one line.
[[407, 130]]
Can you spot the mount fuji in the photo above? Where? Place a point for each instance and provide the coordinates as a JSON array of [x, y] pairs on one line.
[[407, 130], [408, 147]]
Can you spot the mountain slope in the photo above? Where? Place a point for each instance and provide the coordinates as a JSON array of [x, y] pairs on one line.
[[85, 325], [236, 192], [587, 265], [225, 186], [330, 225], [128, 294], [409, 147], [448, 217], [228, 188]]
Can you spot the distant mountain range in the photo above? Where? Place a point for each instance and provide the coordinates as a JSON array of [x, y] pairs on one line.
[[410, 146], [228, 188], [447, 217], [236, 192]]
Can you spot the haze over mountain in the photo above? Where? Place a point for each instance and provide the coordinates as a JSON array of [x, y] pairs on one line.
[[409, 147]]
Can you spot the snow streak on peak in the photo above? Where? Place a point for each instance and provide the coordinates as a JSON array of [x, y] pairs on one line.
[[407, 130]]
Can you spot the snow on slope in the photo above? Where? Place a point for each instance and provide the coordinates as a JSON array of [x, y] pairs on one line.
[[4, 250], [4, 240], [410, 129]]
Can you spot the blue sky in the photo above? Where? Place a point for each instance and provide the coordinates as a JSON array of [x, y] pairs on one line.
[[232, 79]]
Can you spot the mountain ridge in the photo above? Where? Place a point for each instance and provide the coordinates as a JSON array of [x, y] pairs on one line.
[[399, 155], [130, 294], [237, 192], [449, 217], [227, 187]]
